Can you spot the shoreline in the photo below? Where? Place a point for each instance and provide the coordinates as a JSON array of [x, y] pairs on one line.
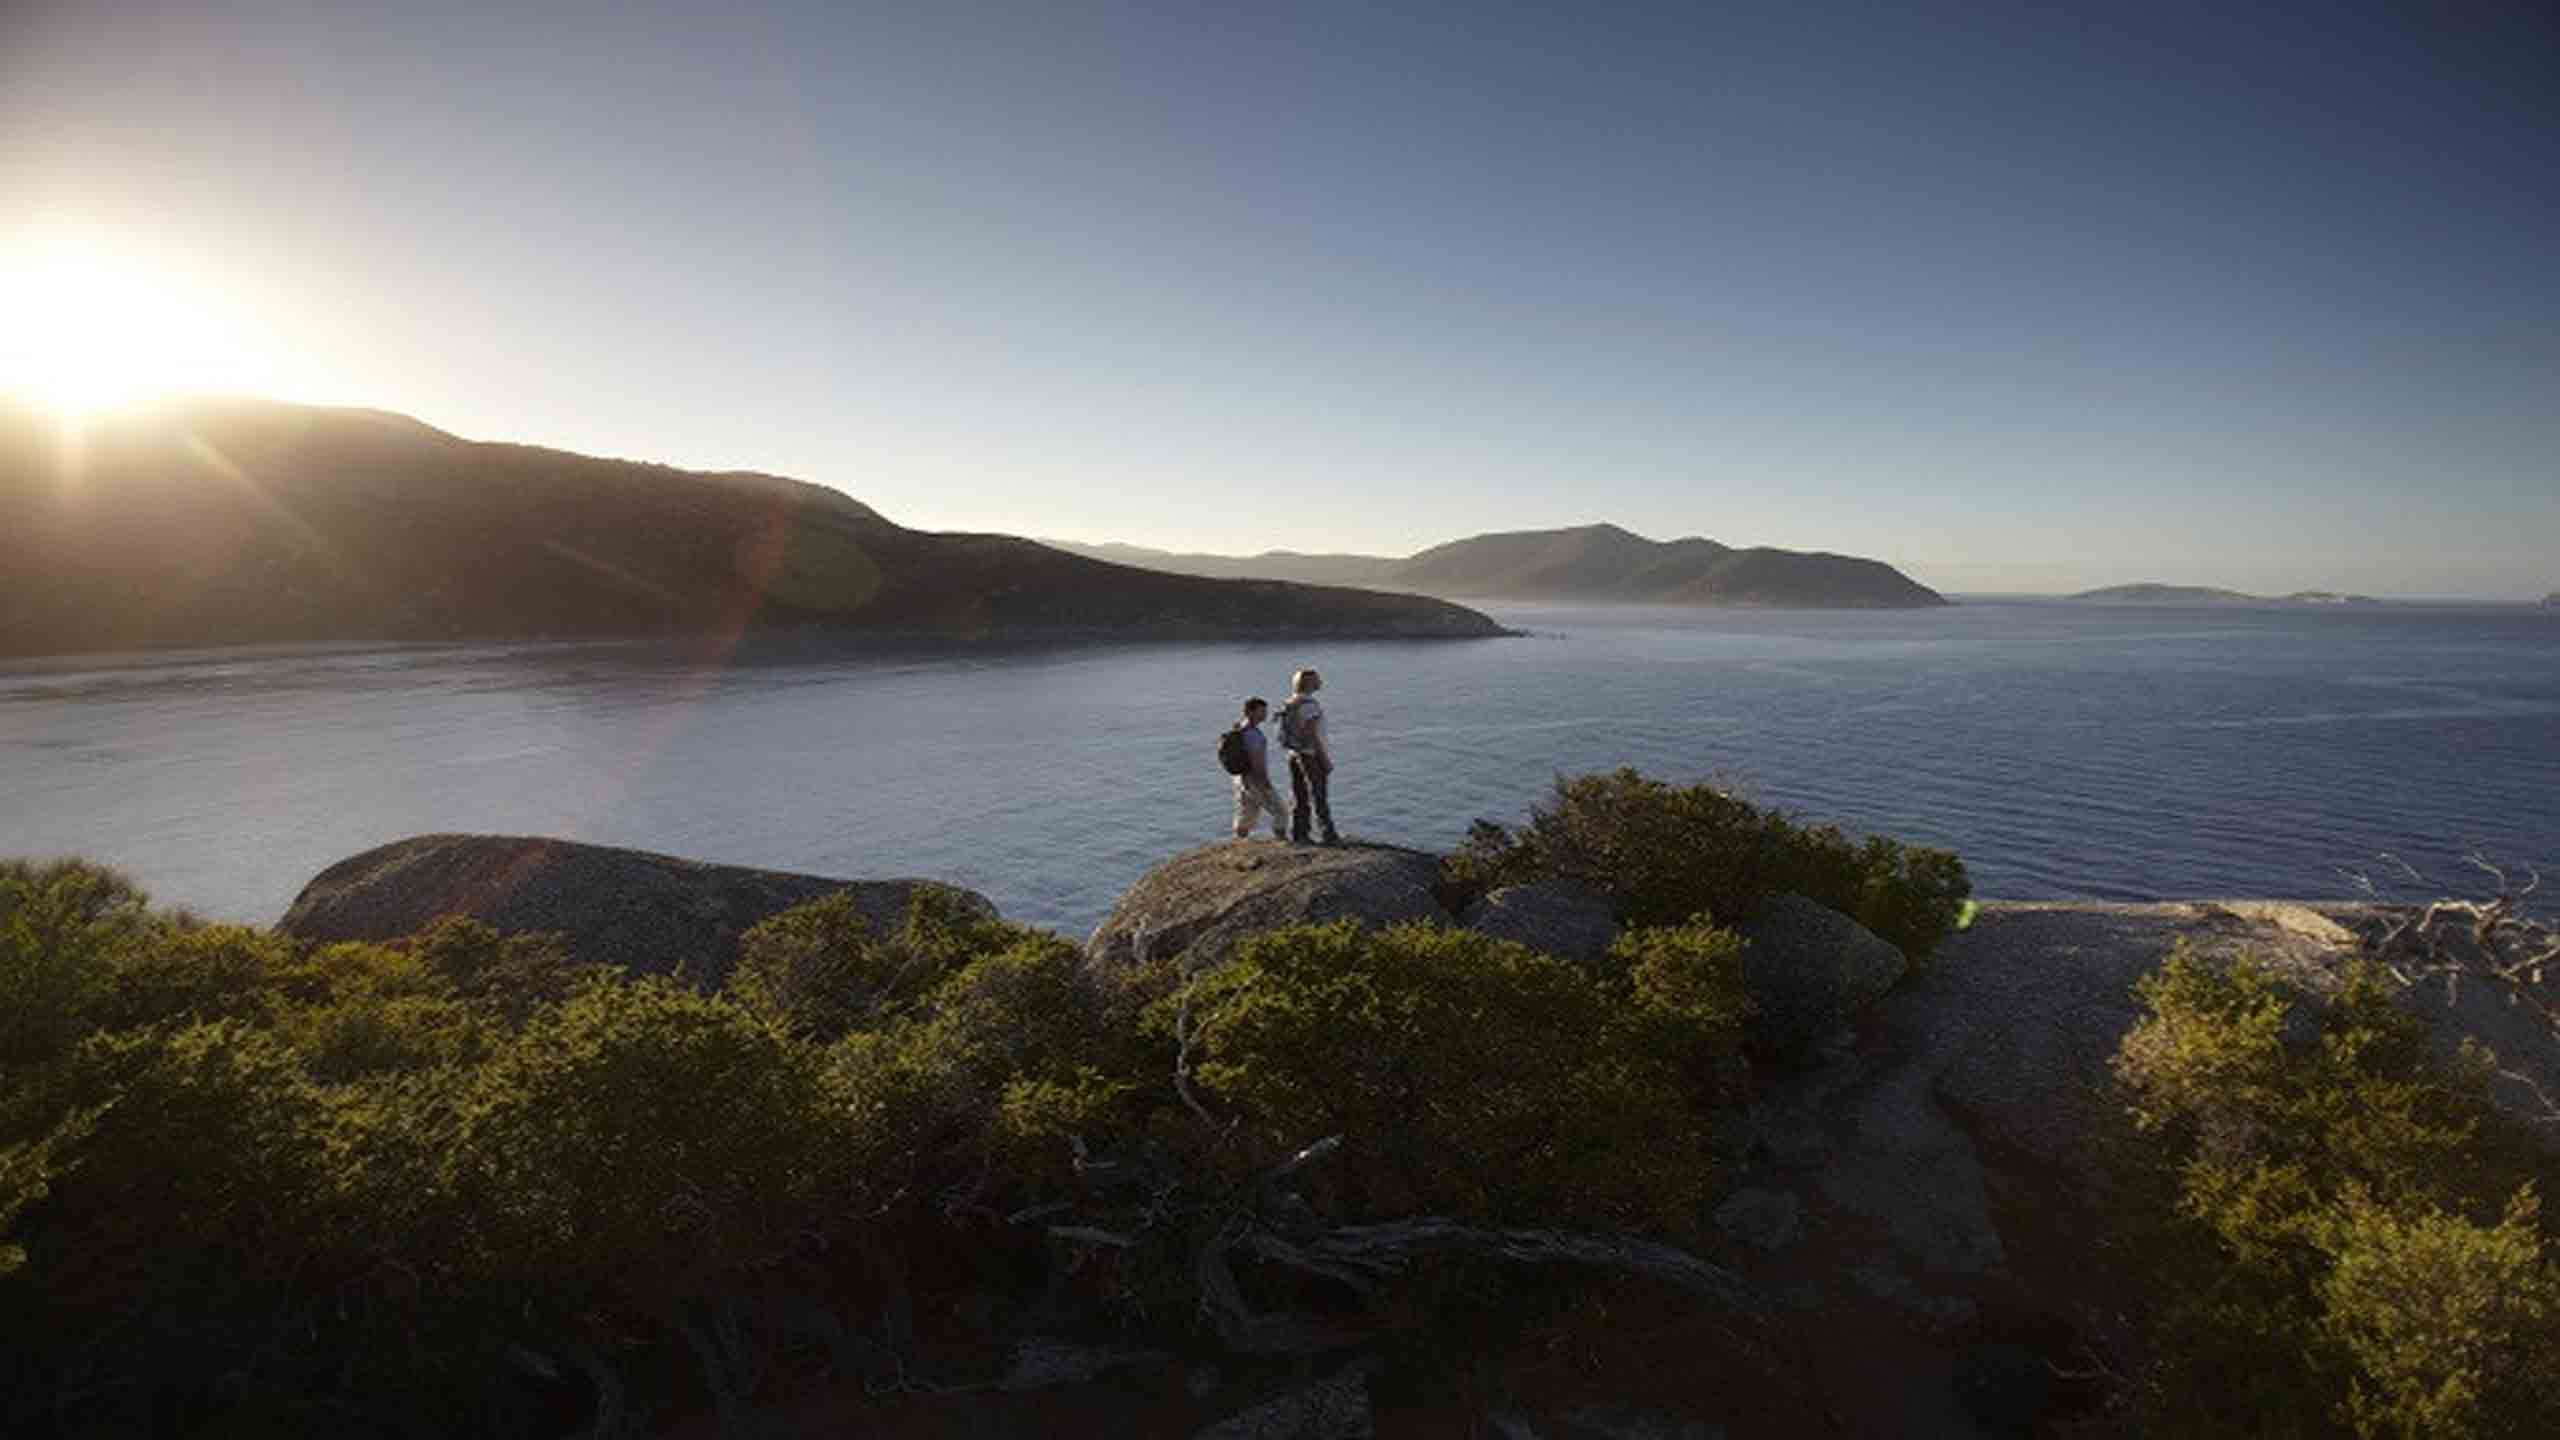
[[754, 647]]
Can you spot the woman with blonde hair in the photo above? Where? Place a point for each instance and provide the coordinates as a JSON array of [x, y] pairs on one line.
[[1302, 734]]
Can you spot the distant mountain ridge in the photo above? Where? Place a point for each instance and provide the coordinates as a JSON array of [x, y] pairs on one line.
[[1290, 565], [254, 522], [1586, 564], [2154, 593]]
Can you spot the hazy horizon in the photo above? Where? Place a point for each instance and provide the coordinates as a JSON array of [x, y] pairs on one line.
[[2016, 299]]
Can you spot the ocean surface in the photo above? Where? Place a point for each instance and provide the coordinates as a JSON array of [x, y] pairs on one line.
[[2064, 751]]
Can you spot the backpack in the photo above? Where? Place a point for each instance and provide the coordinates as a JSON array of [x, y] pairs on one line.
[[1231, 753], [1290, 738]]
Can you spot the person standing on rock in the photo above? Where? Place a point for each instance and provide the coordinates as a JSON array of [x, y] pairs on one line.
[[1302, 734], [1254, 791]]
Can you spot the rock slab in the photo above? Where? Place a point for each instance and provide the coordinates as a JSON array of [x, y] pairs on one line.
[[1571, 922], [649, 914], [1199, 904]]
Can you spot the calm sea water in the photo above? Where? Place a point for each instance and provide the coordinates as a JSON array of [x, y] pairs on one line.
[[2064, 751]]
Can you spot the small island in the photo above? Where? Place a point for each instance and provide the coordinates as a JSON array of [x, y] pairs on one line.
[[2155, 593]]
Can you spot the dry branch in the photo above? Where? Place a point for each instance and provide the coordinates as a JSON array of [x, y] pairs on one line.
[[2494, 942]]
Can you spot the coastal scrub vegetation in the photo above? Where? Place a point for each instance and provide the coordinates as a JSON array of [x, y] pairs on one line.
[[464, 1184], [1418, 1033], [1666, 854], [2342, 1232]]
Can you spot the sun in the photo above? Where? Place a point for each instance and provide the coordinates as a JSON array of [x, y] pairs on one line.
[[89, 326]]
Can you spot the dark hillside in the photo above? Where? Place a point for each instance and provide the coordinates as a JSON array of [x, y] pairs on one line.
[[1604, 564], [241, 522], [1761, 576], [1586, 562]]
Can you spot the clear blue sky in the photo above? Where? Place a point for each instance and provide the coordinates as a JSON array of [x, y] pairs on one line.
[[2017, 296]]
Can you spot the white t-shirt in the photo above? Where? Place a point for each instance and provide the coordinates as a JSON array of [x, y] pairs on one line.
[[1311, 737]]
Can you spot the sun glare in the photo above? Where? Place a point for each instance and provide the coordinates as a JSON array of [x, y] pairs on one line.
[[88, 326]]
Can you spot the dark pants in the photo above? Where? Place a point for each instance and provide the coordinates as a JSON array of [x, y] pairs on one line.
[[1309, 776]]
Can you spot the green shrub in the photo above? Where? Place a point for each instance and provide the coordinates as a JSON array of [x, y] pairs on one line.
[[512, 975], [640, 1138], [27, 1169], [2352, 1235], [1686, 988], [254, 1184], [1665, 854], [2355, 1097], [176, 972], [369, 1034], [2448, 1324], [177, 1228], [818, 969], [982, 1080], [1467, 1076], [354, 1010], [64, 927]]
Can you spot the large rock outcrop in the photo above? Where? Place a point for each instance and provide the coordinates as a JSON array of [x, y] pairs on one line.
[[646, 913], [1810, 970], [1198, 904]]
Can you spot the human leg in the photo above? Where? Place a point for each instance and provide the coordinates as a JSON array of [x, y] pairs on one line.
[[1269, 800], [1298, 812], [1319, 788]]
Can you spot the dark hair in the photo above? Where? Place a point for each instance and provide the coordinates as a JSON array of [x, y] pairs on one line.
[[1253, 700]]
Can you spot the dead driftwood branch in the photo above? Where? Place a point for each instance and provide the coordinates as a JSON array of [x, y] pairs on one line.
[[1361, 1258], [2494, 942], [1387, 1248]]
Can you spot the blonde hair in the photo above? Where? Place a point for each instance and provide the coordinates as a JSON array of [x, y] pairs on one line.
[[1303, 681]]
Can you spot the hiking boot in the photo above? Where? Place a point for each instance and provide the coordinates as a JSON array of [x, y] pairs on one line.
[[1330, 839]]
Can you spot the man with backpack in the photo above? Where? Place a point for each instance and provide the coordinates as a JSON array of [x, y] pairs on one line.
[[1246, 755], [1302, 734]]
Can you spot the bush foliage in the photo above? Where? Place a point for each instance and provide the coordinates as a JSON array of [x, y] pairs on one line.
[[281, 1187], [1469, 1076], [1666, 854], [2353, 1234], [462, 1183], [265, 1185]]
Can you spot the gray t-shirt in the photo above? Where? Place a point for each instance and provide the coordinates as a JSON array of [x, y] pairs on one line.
[[1257, 754]]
